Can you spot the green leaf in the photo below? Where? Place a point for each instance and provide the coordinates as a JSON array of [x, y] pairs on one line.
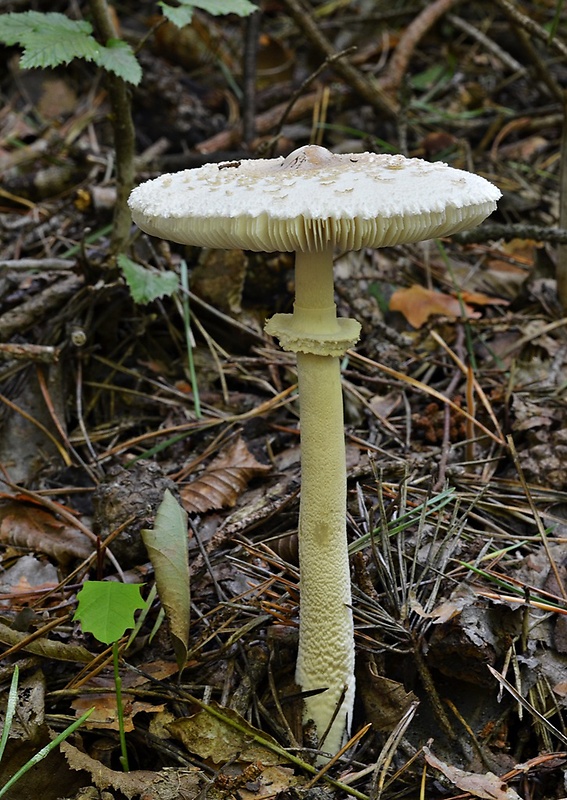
[[106, 608], [167, 548], [118, 57], [146, 284], [182, 14], [51, 39], [48, 39]]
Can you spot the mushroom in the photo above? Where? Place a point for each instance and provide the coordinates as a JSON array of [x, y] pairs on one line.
[[311, 203]]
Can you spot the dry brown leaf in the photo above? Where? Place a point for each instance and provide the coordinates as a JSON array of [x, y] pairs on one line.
[[487, 786], [223, 480], [417, 304], [105, 714], [210, 737], [167, 784], [385, 701], [482, 299], [25, 525]]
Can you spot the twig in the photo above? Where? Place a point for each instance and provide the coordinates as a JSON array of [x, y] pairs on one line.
[[250, 72], [415, 31], [38, 263], [489, 44], [561, 268], [370, 92], [300, 89], [531, 26], [123, 130], [30, 352], [496, 230], [266, 122]]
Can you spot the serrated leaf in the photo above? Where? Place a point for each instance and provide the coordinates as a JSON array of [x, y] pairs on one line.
[[179, 16], [106, 608], [146, 284], [48, 39], [182, 14], [51, 39], [217, 7], [167, 548], [118, 57], [15, 27]]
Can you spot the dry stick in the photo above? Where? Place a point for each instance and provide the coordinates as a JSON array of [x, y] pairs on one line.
[[250, 72], [398, 65], [536, 516], [539, 65], [494, 230], [532, 27], [265, 123], [43, 353], [561, 264], [488, 44], [307, 82], [370, 92], [123, 131]]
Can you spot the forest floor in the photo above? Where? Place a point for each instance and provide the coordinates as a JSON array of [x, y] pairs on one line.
[[455, 415]]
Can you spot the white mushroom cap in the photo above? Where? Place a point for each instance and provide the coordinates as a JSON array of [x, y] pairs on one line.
[[312, 200]]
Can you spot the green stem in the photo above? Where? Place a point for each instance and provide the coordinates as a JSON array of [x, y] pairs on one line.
[[123, 132], [45, 751], [120, 708]]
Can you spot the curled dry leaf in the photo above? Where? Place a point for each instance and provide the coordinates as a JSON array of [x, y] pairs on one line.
[[223, 480], [105, 714], [385, 700], [167, 784], [487, 786], [25, 525], [417, 304]]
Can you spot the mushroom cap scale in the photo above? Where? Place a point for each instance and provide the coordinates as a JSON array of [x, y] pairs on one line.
[[311, 200]]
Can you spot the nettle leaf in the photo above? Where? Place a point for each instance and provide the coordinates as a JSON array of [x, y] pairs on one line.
[[118, 57], [182, 14], [51, 39], [106, 608], [146, 284], [48, 39]]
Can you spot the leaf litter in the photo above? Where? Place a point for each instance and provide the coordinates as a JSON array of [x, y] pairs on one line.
[[457, 548]]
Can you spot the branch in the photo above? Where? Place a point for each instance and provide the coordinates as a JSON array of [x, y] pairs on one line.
[[369, 91], [495, 230]]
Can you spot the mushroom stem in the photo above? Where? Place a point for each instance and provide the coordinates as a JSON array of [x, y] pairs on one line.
[[314, 279], [326, 646]]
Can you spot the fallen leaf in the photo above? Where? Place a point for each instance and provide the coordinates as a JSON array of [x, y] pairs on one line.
[[25, 525], [487, 786], [223, 480], [482, 299], [167, 784], [105, 714], [385, 701], [211, 737], [167, 548], [417, 304]]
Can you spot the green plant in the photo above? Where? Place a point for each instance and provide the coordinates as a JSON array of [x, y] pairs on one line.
[[45, 751], [106, 609], [147, 285], [50, 39]]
